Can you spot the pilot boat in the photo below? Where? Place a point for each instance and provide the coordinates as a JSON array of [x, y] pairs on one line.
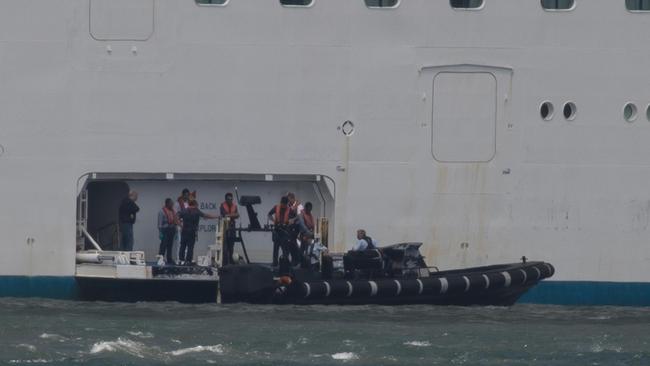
[[392, 275]]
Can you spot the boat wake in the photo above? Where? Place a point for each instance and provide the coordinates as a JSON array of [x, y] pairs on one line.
[[217, 349], [418, 343], [345, 356], [127, 346]]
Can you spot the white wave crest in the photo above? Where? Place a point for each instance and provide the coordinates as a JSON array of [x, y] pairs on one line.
[[38, 360], [26, 346], [598, 348], [141, 334], [345, 356], [53, 336], [418, 343], [218, 349], [120, 345]]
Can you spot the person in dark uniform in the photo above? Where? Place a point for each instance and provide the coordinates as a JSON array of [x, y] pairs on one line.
[[190, 217], [167, 222], [229, 209], [127, 212]]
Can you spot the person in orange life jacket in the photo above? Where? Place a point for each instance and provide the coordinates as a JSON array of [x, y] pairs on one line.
[[279, 214], [190, 218], [295, 205], [306, 225], [229, 209], [184, 200], [167, 223]]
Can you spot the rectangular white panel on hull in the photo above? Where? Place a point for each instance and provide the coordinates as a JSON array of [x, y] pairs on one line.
[[464, 117], [121, 20]]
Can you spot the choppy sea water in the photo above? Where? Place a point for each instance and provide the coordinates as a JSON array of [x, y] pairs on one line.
[[36, 331]]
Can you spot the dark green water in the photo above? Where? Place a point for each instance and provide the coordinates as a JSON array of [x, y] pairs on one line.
[[34, 331]]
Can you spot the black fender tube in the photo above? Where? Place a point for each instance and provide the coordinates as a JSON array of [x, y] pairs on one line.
[[477, 282], [546, 269], [388, 288], [411, 287], [340, 288], [456, 284], [497, 279], [431, 285], [533, 274], [316, 290], [361, 289], [517, 276]]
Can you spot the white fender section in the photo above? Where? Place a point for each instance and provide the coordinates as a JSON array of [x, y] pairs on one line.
[[373, 288], [487, 281], [444, 285], [349, 288], [466, 283], [308, 288], [399, 287], [539, 273], [328, 289], [506, 275], [421, 287], [525, 276]]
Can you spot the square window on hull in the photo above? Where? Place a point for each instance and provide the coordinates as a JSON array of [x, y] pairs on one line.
[[296, 2], [466, 4], [558, 4], [381, 3], [637, 5]]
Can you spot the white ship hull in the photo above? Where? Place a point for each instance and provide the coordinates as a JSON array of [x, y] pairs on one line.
[[448, 146]]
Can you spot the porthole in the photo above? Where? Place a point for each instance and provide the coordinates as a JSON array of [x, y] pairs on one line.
[[637, 5], [347, 128], [630, 112], [296, 3], [466, 4], [211, 2], [546, 111], [558, 5], [382, 3], [570, 110]]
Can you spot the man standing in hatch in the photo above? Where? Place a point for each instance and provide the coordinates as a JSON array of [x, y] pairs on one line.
[[128, 210]]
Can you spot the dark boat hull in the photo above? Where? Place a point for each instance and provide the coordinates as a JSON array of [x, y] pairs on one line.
[[500, 285], [134, 290]]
